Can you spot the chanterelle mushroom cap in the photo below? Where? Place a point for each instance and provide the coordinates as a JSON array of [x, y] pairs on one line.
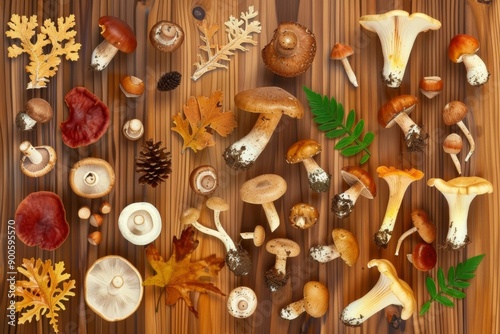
[[41, 220], [291, 51], [37, 161], [166, 36], [140, 223], [113, 288], [91, 178], [314, 302], [241, 302]]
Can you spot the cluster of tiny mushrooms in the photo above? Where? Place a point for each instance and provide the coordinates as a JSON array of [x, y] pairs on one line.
[[289, 53]]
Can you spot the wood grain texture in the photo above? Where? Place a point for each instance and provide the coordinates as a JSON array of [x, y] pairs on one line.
[[331, 22]]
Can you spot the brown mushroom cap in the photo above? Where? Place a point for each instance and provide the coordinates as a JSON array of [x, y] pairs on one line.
[[217, 204], [291, 50], [452, 144], [424, 257], [454, 112], [302, 150], [341, 51], [203, 180], [316, 299], [304, 213], [166, 36], [425, 228], [39, 110], [132, 86], [282, 247], [118, 33], [91, 178], [354, 174], [431, 84], [402, 103], [262, 189], [462, 44], [346, 245]]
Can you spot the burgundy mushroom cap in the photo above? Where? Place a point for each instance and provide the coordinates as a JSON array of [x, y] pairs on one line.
[[41, 220], [118, 33]]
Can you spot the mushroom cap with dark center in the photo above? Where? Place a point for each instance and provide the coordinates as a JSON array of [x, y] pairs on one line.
[[39, 110], [395, 106], [92, 178], [166, 36], [41, 220], [262, 189], [346, 244], [341, 51], [316, 298], [425, 228], [140, 223], [118, 33], [454, 112], [354, 174], [462, 44], [302, 150], [203, 180]]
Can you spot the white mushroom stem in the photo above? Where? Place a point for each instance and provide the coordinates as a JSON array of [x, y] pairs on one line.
[[280, 264], [458, 205], [293, 310], [470, 139], [477, 73], [353, 192], [407, 125], [133, 129], [31, 153], [404, 236], [247, 235], [219, 234], [272, 215], [139, 223], [349, 72], [316, 174], [91, 179], [102, 55], [456, 162], [324, 253], [115, 285]]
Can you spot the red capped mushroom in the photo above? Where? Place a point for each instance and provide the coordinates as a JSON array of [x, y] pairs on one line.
[[423, 257]]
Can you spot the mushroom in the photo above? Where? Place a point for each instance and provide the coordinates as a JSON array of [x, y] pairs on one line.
[[423, 257], [36, 110], [96, 220], [241, 302], [117, 36], [459, 193], [463, 48], [140, 223], [397, 111], [91, 178], [360, 182], [237, 259], [133, 129], [344, 246], [431, 86], [84, 212], [203, 180], [41, 220], [454, 112], [277, 276], [37, 161], [291, 50], [452, 145], [314, 303], [132, 86], [95, 238], [303, 216], [389, 290], [397, 31], [166, 36], [258, 235], [271, 103], [398, 181], [105, 207], [341, 52], [88, 118], [113, 288], [421, 224], [304, 151], [265, 189]]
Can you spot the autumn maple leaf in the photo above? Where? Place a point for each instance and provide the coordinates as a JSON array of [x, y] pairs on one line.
[[202, 116], [179, 276]]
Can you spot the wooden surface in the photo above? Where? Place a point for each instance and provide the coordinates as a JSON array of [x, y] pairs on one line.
[[331, 21]]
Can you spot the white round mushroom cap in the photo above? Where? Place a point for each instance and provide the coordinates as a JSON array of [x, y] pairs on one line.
[[140, 223], [241, 302], [113, 288]]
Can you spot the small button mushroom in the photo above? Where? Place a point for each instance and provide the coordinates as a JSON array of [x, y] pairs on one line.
[[421, 224], [303, 216], [166, 36], [36, 110], [37, 161], [132, 86], [95, 238], [140, 223], [96, 220], [304, 151], [105, 208], [314, 303], [277, 276], [454, 112], [91, 178], [258, 235], [361, 183], [431, 86], [203, 180], [241, 302], [264, 190], [133, 129], [452, 145], [341, 52], [344, 246], [423, 257], [84, 212], [463, 48]]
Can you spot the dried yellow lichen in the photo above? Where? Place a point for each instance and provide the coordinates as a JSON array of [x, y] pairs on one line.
[[61, 40]]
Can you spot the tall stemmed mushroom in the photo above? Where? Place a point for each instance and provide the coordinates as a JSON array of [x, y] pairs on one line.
[[398, 181], [463, 48], [237, 259], [397, 31], [344, 246], [277, 276], [459, 193], [421, 224], [452, 145], [341, 52], [454, 112]]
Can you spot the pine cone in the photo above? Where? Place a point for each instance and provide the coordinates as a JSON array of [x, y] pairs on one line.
[[154, 162], [169, 81]]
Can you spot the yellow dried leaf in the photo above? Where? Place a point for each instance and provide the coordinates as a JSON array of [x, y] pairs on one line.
[[42, 293]]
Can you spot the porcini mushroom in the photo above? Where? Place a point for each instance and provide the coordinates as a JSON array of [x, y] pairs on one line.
[[91, 178], [314, 303], [264, 190], [132, 86], [341, 52], [463, 48], [459, 193], [37, 161], [241, 302], [36, 110], [397, 31], [133, 129], [360, 182], [423, 257], [166, 36], [88, 118], [258, 235], [118, 36], [452, 145], [113, 288], [344, 246], [203, 180], [454, 112], [431, 86], [271, 103], [140, 223], [41, 220], [421, 224], [303, 216], [398, 181], [291, 50], [237, 259], [277, 276], [304, 151], [396, 111], [389, 290]]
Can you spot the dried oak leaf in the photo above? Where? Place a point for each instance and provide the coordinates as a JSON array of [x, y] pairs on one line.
[[179, 276], [203, 114], [42, 293]]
